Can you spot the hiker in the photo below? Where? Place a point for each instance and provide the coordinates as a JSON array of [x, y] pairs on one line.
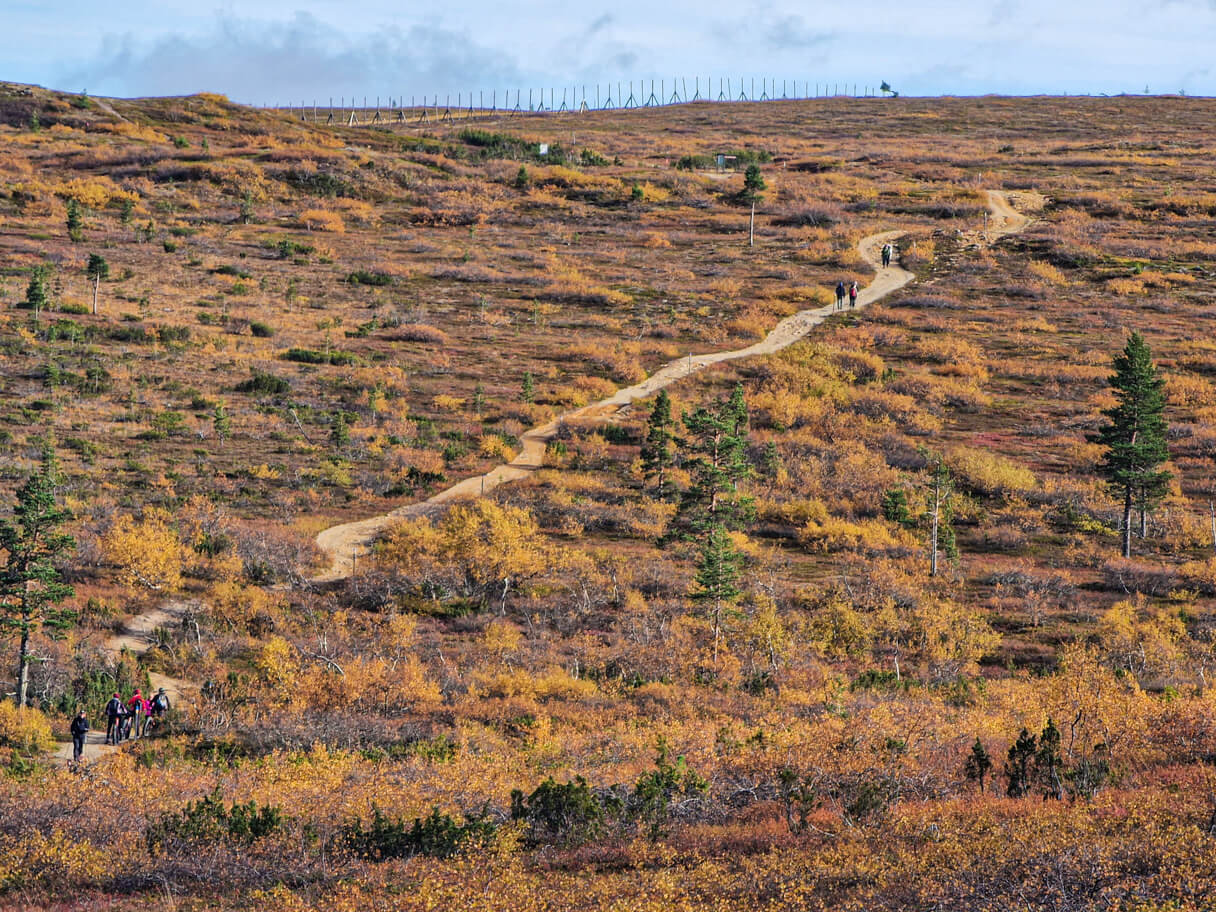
[[135, 707], [840, 294], [853, 294], [80, 727], [160, 703], [157, 707], [113, 714], [886, 255], [123, 729]]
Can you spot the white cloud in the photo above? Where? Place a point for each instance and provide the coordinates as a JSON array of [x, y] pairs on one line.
[[300, 49]]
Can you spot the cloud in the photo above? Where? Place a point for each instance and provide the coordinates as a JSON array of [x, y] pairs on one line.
[[300, 59], [791, 32]]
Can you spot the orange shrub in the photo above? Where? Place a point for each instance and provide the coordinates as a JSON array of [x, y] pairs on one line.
[[322, 220]]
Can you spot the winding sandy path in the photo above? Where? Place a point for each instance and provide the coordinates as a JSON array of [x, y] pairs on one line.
[[344, 543]]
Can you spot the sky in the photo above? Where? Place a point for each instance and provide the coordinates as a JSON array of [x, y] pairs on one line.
[[293, 51]]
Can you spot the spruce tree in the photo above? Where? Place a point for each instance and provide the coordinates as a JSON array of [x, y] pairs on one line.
[[658, 451], [977, 765], [37, 298], [717, 442], [1135, 435], [717, 578], [1018, 778], [895, 506], [74, 223], [1048, 763], [31, 584], [223, 423]]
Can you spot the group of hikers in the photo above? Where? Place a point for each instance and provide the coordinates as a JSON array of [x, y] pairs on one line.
[[841, 291], [124, 719], [851, 289]]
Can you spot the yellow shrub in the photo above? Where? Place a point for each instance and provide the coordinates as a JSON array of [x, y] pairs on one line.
[[834, 534], [1189, 390], [501, 638], [1047, 272], [278, 664], [1127, 287], [322, 220], [945, 349], [147, 553], [989, 474], [655, 194], [23, 729], [52, 859], [494, 446], [860, 365], [94, 192], [134, 131], [446, 403]]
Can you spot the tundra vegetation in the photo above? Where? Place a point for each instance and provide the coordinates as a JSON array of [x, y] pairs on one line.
[[905, 616]]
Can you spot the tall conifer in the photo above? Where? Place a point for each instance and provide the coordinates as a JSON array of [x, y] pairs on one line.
[[658, 451], [1135, 436], [31, 584]]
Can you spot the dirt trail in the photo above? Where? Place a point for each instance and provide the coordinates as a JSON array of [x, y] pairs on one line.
[[345, 543], [137, 636], [1006, 214]]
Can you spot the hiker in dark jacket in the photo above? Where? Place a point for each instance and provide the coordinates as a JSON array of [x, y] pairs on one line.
[[113, 712], [80, 728], [840, 294], [160, 704]]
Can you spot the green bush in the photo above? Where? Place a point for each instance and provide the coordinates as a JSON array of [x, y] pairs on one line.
[[564, 813], [173, 333], [437, 835], [654, 790], [265, 383], [314, 356], [589, 158], [136, 334], [261, 330], [318, 183], [68, 330], [289, 248], [361, 277], [208, 820]]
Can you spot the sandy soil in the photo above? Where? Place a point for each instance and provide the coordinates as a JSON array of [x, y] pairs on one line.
[[344, 544]]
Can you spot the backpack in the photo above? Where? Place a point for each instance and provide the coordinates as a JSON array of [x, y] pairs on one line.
[[160, 702], [114, 707]]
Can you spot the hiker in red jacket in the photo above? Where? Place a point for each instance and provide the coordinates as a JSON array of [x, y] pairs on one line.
[[138, 709]]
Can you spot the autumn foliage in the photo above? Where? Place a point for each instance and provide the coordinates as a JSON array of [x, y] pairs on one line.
[[692, 655]]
